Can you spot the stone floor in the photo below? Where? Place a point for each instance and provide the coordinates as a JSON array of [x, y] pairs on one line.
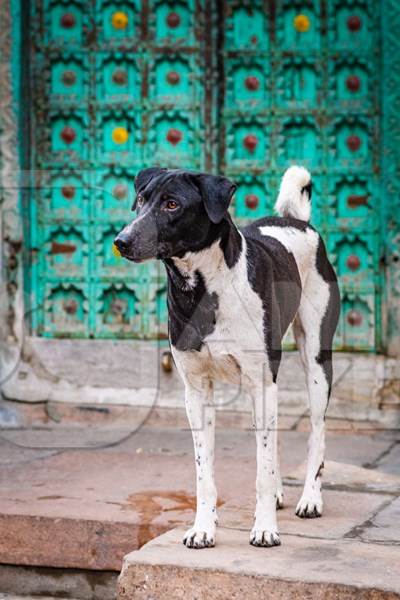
[[13, 597], [82, 497]]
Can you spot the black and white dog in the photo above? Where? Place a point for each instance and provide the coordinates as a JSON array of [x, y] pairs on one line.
[[232, 294]]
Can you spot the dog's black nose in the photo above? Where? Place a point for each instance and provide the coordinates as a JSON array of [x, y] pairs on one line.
[[121, 242]]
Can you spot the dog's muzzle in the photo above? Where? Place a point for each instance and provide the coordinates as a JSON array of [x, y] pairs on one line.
[[127, 245], [123, 244], [137, 244]]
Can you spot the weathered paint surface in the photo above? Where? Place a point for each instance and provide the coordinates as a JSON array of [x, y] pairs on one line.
[[390, 191], [116, 87], [11, 226], [301, 85], [243, 87]]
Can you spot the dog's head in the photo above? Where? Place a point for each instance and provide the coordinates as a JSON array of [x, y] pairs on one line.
[[177, 212]]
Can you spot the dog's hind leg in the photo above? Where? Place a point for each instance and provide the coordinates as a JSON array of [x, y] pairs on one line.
[[201, 416], [279, 486], [310, 504], [300, 340], [314, 328]]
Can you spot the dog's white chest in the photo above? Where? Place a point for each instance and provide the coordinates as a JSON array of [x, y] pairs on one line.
[[239, 320], [237, 341]]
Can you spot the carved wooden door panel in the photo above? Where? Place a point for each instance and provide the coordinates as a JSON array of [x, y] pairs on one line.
[[116, 86], [302, 86], [244, 88]]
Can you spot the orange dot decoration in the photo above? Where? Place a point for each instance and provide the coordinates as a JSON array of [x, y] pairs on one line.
[[120, 135], [119, 20], [301, 23]]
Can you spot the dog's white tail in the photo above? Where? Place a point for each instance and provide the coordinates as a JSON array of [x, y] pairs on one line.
[[294, 199]]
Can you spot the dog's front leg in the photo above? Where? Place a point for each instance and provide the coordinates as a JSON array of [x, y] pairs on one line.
[[265, 529], [201, 415]]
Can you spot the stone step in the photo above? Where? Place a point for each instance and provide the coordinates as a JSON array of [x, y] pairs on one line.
[[301, 567], [351, 552], [75, 505], [12, 597], [40, 583]]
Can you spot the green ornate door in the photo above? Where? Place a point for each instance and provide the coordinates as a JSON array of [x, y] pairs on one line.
[[116, 86], [246, 88], [302, 86]]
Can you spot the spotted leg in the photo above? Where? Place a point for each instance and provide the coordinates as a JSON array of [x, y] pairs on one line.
[[314, 328], [279, 486], [201, 415], [265, 529]]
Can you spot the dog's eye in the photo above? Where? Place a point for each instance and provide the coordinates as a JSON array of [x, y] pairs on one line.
[[139, 200], [171, 205]]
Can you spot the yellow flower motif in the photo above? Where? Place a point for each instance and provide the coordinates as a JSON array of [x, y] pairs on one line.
[[115, 251], [120, 135], [119, 20], [302, 23]]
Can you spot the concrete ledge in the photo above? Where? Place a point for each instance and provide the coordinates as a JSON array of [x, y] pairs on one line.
[[86, 507], [129, 373], [33, 540], [61, 584], [300, 568]]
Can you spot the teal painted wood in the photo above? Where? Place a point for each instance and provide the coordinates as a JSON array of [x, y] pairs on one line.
[[302, 86], [117, 86], [390, 190], [122, 85]]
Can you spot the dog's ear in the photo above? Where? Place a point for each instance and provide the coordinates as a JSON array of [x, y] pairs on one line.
[[143, 178], [216, 192]]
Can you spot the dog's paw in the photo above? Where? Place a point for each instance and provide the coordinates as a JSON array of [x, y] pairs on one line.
[[279, 499], [195, 538], [265, 538], [309, 508]]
